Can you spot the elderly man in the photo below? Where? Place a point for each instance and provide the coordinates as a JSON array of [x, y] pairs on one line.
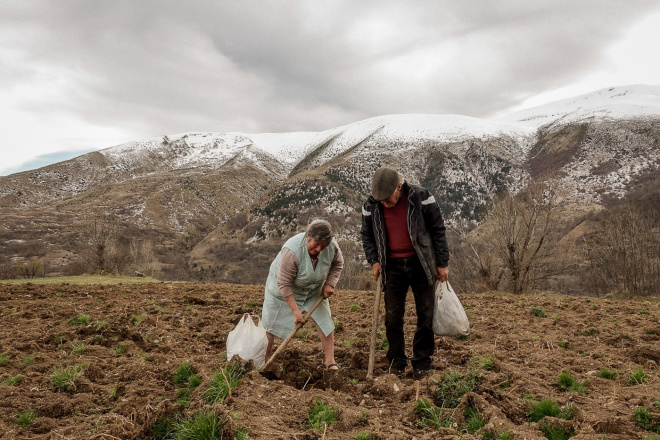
[[403, 235], [309, 265]]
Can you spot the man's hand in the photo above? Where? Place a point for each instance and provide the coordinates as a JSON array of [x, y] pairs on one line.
[[375, 269], [328, 290], [443, 274]]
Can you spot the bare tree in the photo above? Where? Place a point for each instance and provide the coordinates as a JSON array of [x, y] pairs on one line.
[[624, 253], [354, 272], [517, 237], [144, 256], [31, 269], [103, 249], [474, 265]]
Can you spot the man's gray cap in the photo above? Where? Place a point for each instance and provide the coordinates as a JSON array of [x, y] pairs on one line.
[[384, 183]]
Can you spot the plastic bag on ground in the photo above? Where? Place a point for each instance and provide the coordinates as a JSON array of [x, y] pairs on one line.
[[248, 340], [449, 318]]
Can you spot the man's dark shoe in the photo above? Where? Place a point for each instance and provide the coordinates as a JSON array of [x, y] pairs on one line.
[[419, 373], [397, 371]]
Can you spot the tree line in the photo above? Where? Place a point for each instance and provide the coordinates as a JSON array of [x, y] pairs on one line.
[[521, 246]]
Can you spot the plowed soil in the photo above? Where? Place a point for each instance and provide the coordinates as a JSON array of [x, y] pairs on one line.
[[125, 382]]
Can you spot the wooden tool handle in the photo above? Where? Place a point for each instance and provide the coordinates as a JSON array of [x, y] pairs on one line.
[[374, 328], [293, 333]]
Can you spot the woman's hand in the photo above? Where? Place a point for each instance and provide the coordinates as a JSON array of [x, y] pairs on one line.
[[328, 290], [298, 317]]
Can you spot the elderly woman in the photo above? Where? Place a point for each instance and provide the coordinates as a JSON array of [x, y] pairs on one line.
[[308, 265]]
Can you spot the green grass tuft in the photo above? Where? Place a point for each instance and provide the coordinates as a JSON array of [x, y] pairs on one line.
[[12, 380], [321, 414], [162, 429], [355, 308], [29, 359], [79, 320], [183, 374], [556, 431], [136, 320], [384, 343], [484, 362], [473, 421], [549, 408], [538, 312], [79, 348], [364, 435], [202, 425], [567, 380], [222, 382], [100, 325], [643, 418], [25, 418], [637, 377], [490, 434], [4, 358], [242, 433], [454, 385], [64, 378], [608, 374], [430, 415]]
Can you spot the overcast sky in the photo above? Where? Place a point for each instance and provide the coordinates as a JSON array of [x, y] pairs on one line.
[[77, 76]]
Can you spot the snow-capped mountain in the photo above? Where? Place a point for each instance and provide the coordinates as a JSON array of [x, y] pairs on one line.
[[597, 146], [613, 103]]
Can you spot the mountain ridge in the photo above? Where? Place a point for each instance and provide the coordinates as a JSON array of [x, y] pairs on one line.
[[264, 186]]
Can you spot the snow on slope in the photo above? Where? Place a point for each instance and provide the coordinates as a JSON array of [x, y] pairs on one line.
[[215, 149], [287, 148], [622, 102], [412, 128], [209, 149]]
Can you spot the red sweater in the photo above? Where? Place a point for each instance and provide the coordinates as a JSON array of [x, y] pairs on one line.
[[396, 225]]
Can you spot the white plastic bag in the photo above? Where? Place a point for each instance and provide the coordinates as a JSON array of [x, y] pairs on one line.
[[248, 341], [449, 318]]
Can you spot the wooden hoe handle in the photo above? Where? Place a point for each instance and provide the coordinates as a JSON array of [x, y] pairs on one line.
[[374, 328], [293, 333]]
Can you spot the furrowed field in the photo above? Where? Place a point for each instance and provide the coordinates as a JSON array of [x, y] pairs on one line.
[[148, 361]]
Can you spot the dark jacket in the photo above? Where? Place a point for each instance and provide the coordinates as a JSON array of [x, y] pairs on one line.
[[425, 225]]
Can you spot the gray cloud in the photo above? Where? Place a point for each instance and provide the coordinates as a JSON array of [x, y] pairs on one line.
[[157, 67]]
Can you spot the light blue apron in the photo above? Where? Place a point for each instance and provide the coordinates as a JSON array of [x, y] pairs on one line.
[[277, 316]]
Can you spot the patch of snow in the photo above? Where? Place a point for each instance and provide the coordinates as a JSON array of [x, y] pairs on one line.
[[623, 102]]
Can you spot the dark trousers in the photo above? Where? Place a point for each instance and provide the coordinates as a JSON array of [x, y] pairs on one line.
[[403, 273]]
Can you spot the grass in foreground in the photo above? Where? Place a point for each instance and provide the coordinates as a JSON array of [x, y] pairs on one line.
[[320, 415], [25, 418], [202, 425], [64, 378], [12, 380], [567, 380], [547, 407], [430, 415], [473, 421], [637, 377], [454, 385], [556, 431], [222, 382]]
